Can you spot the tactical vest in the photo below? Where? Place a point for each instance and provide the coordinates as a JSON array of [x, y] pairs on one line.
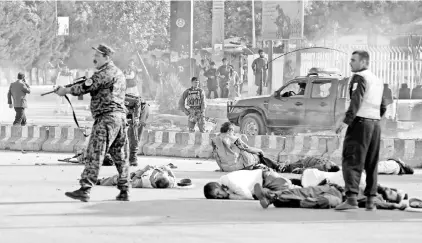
[[372, 98], [133, 103], [194, 98]]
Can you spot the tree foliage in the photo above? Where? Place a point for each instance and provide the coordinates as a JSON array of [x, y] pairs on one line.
[[323, 18]]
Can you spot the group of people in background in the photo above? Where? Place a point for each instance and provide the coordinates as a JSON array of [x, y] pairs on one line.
[[221, 82]]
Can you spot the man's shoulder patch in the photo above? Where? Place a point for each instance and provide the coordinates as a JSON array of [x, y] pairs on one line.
[[88, 82], [355, 86]]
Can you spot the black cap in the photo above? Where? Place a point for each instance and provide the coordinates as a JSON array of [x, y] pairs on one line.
[[260, 51], [212, 63], [21, 75], [224, 59], [104, 49]]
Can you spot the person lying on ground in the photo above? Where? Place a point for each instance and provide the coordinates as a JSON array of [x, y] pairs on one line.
[[320, 163], [323, 196], [148, 177], [238, 185], [232, 153], [394, 167], [312, 177]]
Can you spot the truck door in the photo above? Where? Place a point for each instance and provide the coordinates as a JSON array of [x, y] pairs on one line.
[[287, 107], [320, 105]]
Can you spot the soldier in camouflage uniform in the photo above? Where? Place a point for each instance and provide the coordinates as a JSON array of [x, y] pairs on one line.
[[195, 100], [138, 112], [107, 88]]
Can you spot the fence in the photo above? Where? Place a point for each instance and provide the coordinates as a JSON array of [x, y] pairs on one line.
[[394, 65]]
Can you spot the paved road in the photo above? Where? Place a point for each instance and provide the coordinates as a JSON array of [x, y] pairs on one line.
[[34, 209]]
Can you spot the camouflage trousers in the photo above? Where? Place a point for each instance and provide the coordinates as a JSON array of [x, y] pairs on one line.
[[134, 141], [108, 136], [196, 116]]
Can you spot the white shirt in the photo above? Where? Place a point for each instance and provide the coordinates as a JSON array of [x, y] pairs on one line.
[[241, 183], [389, 167]]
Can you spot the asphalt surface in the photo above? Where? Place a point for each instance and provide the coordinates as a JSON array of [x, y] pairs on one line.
[[33, 208]]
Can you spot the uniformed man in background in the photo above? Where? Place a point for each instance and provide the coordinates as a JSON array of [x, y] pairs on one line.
[[362, 141], [107, 88], [138, 113], [195, 100]]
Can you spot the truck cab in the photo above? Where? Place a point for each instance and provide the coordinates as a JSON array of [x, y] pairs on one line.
[[308, 102]]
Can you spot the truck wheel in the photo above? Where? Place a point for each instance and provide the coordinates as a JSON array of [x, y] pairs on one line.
[[252, 124]]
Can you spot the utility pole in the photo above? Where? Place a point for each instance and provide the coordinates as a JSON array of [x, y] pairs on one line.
[[191, 66], [253, 24]]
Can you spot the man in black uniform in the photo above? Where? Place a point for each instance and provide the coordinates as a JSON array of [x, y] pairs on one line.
[[362, 140]]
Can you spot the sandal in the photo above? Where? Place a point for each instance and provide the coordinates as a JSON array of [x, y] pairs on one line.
[[172, 166], [415, 203]]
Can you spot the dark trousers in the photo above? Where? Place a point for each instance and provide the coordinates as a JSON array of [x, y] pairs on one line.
[[361, 151], [215, 93], [325, 196], [20, 117], [134, 141], [224, 91]]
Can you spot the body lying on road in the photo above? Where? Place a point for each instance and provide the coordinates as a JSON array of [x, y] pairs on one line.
[[316, 162], [324, 196], [387, 167], [148, 177], [238, 185]]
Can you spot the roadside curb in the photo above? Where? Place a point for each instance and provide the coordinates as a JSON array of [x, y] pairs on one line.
[[198, 145]]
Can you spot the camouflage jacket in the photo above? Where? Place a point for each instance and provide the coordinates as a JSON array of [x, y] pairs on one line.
[[194, 98], [107, 87], [135, 106]]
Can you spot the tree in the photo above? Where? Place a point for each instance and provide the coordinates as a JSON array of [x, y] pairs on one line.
[[18, 37], [202, 23], [127, 26], [323, 18]]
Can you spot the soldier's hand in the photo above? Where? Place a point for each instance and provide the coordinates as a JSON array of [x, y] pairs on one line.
[[10, 106], [61, 91]]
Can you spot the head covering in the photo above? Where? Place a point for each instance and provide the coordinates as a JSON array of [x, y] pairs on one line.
[[260, 51], [21, 75], [104, 49]]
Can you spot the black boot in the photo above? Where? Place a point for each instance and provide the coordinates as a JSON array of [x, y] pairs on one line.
[[81, 194], [123, 196], [133, 159]]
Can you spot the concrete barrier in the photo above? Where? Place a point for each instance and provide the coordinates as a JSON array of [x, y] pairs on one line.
[[178, 144], [198, 145]]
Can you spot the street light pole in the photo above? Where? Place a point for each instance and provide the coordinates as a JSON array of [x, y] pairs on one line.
[[253, 24]]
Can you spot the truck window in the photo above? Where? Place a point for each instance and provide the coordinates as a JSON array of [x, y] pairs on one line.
[[321, 89], [293, 89]]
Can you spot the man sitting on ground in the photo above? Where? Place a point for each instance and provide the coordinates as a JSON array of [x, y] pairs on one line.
[[325, 195], [238, 185], [232, 154], [148, 177]]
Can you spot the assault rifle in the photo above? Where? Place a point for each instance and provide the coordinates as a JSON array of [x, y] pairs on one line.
[[76, 81]]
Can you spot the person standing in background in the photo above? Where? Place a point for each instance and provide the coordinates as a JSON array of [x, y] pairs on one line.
[[63, 78], [259, 67], [234, 83], [194, 98], [16, 98], [132, 81], [223, 75], [212, 83]]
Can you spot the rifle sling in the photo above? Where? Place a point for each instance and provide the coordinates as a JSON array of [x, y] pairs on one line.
[[74, 117]]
